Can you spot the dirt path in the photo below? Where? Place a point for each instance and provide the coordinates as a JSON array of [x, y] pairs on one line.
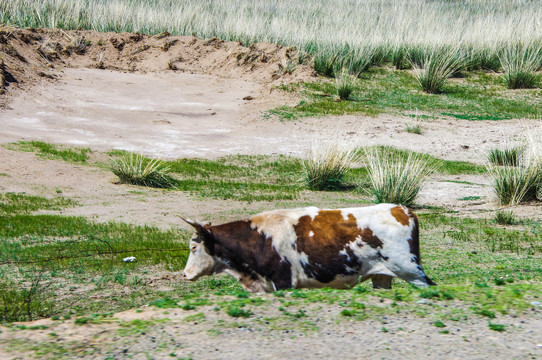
[[159, 334]]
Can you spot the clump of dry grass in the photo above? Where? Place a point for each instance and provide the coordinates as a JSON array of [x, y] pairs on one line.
[[437, 66], [522, 182], [138, 170], [396, 178], [327, 164], [520, 63], [508, 156]]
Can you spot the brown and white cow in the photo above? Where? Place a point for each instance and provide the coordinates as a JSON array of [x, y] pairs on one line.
[[311, 247]]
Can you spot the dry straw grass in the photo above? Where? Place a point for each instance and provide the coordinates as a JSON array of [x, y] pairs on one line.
[[520, 63], [330, 30], [327, 163], [437, 66], [515, 184], [137, 170], [396, 178]]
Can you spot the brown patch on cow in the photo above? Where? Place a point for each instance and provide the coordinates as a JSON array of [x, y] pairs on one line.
[[249, 252], [331, 233], [414, 241], [399, 214], [369, 238]]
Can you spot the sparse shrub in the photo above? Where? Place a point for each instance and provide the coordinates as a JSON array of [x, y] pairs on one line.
[[439, 324], [287, 66], [505, 218], [236, 311], [137, 170], [328, 163], [347, 313], [510, 156], [346, 84], [496, 327], [395, 178], [437, 66], [520, 63], [414, 129], [25, 303], [77, 44]]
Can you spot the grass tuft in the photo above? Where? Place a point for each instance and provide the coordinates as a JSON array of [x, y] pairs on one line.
[[328, 163], [515, 184], [505, 218], [437, 67], [395, 178], [346, 83], [522, 182], [137, 170], [520, 63], [509, 157]]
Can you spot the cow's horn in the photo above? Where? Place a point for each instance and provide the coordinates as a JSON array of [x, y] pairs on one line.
[[195, 224], [189, 222]]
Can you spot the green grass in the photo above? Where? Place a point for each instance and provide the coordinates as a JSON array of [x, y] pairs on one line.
[[505, 218], [56, 255], [242, 178], [509, 156], [52, 151], [137, 170], [50, 264], [20, 203], [436, 67], [48, 252], [381, 90]]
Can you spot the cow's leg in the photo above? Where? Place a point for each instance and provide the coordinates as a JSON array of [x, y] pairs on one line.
[[381, 281]]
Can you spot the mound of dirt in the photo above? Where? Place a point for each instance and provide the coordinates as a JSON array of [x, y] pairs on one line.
[[28, 56]]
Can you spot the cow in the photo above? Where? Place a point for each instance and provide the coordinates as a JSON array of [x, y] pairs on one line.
[[311, 248]]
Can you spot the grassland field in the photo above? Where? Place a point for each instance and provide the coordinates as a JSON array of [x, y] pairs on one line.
[[66, 224]]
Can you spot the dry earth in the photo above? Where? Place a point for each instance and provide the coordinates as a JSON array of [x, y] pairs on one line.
[[172, 97]]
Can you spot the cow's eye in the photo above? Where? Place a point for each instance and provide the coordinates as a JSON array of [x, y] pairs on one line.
[[193, 247]]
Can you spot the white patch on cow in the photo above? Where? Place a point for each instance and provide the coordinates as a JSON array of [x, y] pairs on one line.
[[395, 247], [199, 262], [279, 226]]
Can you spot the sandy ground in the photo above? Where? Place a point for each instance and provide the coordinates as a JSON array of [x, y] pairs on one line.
[[173, 115], [221, 337], [172, 97]]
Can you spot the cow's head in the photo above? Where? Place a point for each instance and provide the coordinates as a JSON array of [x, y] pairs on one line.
[[200, 262]]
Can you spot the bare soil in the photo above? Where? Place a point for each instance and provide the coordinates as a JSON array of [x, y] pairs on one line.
[[172, 97]]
